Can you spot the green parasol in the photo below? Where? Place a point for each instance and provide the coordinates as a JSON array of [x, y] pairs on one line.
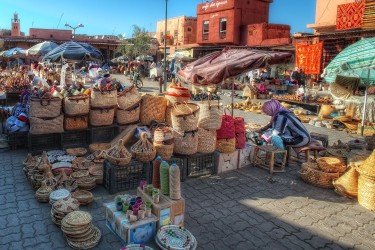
[[356, 60]]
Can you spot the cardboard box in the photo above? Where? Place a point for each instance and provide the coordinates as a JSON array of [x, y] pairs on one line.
[[227, 162], [139, 232], [167, 211], [245, 156]]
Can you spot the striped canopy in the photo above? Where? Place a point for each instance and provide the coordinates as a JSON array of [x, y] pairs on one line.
[[354, 61]]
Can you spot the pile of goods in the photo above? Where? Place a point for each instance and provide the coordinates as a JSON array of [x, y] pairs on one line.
[[249, 106]]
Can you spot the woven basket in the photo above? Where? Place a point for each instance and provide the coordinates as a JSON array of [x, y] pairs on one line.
[[101, 116], [143, 150], [93, 147], [84, 197], [347, 184], [45, 107], [39, 126], [368, 167], [210, 115], [86, 183], [118, 154], [164, 151], [177, 94], [128, 116], [185, 116], [76, 151], [186, 143], [318, 178], [331, 165], [168, 116], [366, 192], [77, 105], [326, 110], [128, 98], [227, 129], [97, 172], [226, 145], [153, 109], [206, 141], [102, 99], [351, 125], [76, 122], [163, 134]]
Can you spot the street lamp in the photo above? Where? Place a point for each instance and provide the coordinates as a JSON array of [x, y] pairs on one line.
[[165, 46], [74, 28]]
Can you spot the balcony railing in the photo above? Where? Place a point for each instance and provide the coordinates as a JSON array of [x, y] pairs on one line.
[[205, 36]]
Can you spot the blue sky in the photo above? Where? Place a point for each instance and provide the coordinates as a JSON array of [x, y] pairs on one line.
[[117, 17]]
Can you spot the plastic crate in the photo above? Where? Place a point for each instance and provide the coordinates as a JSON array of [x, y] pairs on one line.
[[122, 178], [103, 134], [72, 139], [18, 140], [201, 164], [39, 143]]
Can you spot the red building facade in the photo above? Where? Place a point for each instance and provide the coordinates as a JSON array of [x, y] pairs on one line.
[[226, 21]]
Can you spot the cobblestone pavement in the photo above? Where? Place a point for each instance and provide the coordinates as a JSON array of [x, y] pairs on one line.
[[242, 209]]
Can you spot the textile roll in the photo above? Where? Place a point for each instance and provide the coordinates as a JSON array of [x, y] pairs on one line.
[[156, 172], [164, 178], [174, 182]]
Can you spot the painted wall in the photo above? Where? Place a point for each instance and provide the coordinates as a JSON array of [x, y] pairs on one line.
[[183, 30], [50, 34], [263, 34]]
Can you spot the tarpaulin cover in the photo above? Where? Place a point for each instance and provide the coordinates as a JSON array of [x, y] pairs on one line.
[[217, 66], [74, 51]]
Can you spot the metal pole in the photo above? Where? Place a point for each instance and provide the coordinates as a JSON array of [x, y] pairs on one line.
[[365, 104], [165, 46]]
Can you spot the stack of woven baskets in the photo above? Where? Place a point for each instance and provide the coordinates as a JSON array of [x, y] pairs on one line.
[[209, 121], [164, 142], [226, 135], [129, 106], [366, 183], [76, 109], [323, 172], [185, 123], [45, 115], [102, 107]]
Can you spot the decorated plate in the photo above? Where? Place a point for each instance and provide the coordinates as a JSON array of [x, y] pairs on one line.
[[136, 247], [66, 158], [175, 237], [56, 153], [59, 194], [61, 164]]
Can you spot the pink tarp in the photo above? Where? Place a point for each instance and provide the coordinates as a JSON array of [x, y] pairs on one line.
[[217, 66]]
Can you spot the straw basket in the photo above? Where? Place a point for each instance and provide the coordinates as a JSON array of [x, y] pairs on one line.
[[163, 150], [93, 147], [45, 107], [143, 150], [185, 116], [347, 184], [210, 115], [163, 134], [101, 116], [186, 143], [102, 99], [84, 197], [326, 110], [318, 178], [128, 116], [118, 154], [353, 125], [177, 94], [77, 105], [366, 192], [153, 109], [128, 98], [226, 145], [206, 141], [367, 168], [331, 165], [168, 116], [40, 126], [76, 122], [97, 172]]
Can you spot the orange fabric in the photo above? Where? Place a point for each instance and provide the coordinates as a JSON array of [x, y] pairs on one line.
[[350, 15], [308, 57]]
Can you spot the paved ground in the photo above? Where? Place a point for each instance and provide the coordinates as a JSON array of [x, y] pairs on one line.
[[242, 209]]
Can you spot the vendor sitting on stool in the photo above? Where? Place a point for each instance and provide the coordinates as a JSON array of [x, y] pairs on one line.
[[285, 129]]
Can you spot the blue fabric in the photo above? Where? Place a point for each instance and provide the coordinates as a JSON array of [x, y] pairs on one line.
[[277, 142]]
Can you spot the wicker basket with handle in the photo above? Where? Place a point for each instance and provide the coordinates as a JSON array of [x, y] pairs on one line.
[[206, 141], [210, 115], [128, 116], [128, 98], [77, 105], [152, 109], [186, 143], [40, 126], [102, 99], [318, 178], [45, 107], [185, 116], [101, 116], [143, 150]]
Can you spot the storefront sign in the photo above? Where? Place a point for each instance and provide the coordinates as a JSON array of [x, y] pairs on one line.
[[212, 5]]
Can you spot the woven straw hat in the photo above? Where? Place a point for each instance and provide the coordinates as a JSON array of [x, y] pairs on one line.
[[367, 168]]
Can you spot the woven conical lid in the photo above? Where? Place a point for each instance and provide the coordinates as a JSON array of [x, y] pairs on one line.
[[368, 166]]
